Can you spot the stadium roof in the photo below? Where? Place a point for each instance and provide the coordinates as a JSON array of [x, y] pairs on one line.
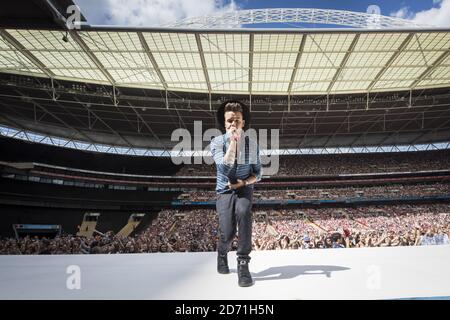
[[245, 61], [132, 87]]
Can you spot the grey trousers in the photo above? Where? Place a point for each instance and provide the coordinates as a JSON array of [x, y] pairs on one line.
[[234, 211]]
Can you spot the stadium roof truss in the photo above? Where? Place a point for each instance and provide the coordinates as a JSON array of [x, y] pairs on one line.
[[80, 145], [237, 18], [282, 62]]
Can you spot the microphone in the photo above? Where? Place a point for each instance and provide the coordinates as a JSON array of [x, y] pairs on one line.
[[233, 179]]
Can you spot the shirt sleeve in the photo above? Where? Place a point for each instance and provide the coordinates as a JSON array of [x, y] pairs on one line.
[[256, 167]]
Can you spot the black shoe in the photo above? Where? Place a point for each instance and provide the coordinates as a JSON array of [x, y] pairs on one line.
[[244, 276], [222, 264]]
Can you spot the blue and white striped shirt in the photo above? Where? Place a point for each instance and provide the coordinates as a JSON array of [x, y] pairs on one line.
[[249, 162]]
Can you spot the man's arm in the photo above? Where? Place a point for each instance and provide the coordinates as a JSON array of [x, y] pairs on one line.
[[230, 155], [256, 167], [224, 162], [242, 183]]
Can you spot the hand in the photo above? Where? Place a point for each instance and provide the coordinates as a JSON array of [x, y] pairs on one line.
[[235, 134], [237, 185]]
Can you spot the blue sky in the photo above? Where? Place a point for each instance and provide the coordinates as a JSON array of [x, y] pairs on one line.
[[386, 6], [149, 13]]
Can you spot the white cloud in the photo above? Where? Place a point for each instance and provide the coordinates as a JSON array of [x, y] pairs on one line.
[[403, 13], [438, 16], [148, 13]]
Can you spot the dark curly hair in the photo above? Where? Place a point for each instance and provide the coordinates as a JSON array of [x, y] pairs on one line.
[[236, 106]]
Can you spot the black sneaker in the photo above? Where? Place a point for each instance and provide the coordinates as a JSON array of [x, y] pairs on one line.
[[244, 276], [222, 264]]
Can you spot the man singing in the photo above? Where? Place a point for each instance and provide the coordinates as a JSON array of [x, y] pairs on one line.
[[238, 166]]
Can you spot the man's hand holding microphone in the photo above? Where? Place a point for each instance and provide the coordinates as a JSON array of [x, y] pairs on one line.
[[235, 134]]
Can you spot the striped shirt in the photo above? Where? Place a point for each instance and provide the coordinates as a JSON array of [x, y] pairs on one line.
[[247, 163]]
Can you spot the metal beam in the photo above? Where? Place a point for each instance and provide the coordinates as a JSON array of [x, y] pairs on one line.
[[149, 128], [346, 120], [145, 123], [297, 62], [24, 130], [281, 125], [391, 61], [9, 119], [55, 100], [104, 123], [392, 133], [431, 68], [360, 134], [406, 124], [115, 103], [312, 124], [202, 58], [180, 118], [375, 122], [396, 132], [442, 125], [32, 101], [343, 62], [76, 37], [58, 16], [95, 115], [18, 46], [235, 19], [250, 63], [116, 106], [152, 59], [73, 128]]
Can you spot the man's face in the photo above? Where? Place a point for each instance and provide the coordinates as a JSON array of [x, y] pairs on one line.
[[233, 120]]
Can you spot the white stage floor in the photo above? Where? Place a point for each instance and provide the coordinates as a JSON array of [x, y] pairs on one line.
[[369, 273]]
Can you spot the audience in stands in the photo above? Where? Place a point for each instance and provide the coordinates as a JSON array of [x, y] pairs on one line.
[[196, 231], [334, 164], [385, 191]]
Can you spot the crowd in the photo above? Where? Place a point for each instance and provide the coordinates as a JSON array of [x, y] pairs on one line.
[[334, 164], [363, 163], [349, 228], [385, 191], [196, 231]]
